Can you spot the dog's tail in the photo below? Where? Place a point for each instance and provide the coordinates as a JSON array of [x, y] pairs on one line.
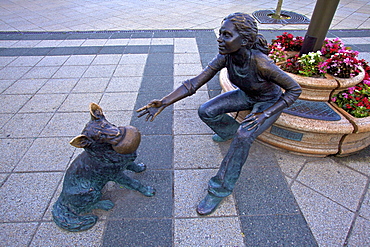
[[70, 221]]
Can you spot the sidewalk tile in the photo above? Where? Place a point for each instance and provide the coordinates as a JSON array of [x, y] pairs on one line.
[[208, 232], [338, 183], [21, 203], [329, 222]]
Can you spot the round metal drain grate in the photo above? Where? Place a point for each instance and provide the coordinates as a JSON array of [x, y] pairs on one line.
[[264, 17]]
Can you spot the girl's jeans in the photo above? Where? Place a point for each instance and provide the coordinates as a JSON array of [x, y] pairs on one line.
[[213, 113]]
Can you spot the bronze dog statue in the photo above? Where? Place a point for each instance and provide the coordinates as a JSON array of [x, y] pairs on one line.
[[109, 151]]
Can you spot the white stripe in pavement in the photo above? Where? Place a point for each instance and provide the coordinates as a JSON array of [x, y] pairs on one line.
[[356, 40], [84, 42]]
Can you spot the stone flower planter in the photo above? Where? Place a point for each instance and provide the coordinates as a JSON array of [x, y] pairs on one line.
[[359, 138], [312, 126], [321, 89]]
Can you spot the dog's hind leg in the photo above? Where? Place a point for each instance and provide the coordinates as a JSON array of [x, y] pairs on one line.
[[134, 184], [70, 221], [136, 167]]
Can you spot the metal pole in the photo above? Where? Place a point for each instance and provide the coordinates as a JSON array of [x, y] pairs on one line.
[[278, 8], [319, 25]]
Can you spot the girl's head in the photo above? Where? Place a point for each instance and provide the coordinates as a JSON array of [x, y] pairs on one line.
[[247, 28]]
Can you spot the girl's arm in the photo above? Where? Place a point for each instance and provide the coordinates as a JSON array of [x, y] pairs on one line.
[[188, 87], [292, 90]]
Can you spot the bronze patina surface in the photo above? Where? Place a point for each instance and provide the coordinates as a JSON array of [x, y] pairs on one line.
[[109, 151], [243, 51]]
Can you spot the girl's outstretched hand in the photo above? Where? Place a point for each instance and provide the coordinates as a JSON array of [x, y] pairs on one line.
[[254, 120], [152, 109]]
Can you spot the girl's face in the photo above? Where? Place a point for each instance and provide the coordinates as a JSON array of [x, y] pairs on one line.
[[229, 40]]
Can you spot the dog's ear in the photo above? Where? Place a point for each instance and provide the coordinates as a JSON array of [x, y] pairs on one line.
[[80, 141], [96, 112]]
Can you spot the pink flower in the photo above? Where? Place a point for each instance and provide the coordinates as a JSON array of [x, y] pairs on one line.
[[351, 90]]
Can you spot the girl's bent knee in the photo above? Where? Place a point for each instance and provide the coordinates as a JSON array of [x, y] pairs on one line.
[[203, 112]]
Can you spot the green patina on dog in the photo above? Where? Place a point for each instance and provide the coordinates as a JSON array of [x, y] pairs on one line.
[[109, 151]]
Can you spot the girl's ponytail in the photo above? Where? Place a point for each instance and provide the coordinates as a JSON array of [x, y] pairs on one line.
[[261, 44]]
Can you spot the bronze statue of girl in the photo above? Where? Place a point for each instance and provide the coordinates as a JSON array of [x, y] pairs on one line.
[[259, 82]]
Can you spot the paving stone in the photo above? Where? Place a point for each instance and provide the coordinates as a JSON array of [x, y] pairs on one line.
[[329, 222], [79, 60], [4, 84], [133, 205], [360, 233], [290, 166], [26, 61], [48, 234], [66, 124], [276, 230], [163, 86], [140, 41], [185, 45], [162, 41], [25, 125], [10, 232], [187, 69], [161, 49], [208, 232], [12, 150], [136, 49], [156, 151], [25, 86], [128, 70], [79, 102], [47, 154], [12, 103], [116, 41], [12, 72], [107, 59], [118, 101], [91, 85], [124, 84], [3, 177], [359, 161], [139, 232], [130, 59], [21, 203], [73, 71], [58, 85], [195, 152], [188, 122], [365, 207], [339, 183], [187, 58], [100, 71], [43, 103], [262, 190], [52, 61], [41, 72], [118, 118]]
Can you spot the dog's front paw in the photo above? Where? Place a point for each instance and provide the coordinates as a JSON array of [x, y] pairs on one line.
[[149, 191], [136, 167], [140, 167]]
